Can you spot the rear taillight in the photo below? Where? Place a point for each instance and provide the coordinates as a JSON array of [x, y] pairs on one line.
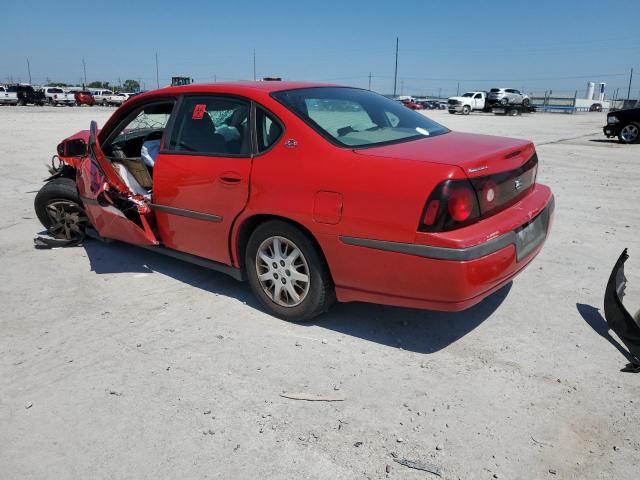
[[457, 203], [453, 204]]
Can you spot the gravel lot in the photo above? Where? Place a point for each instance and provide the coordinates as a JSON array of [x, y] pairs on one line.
[[119, 363]]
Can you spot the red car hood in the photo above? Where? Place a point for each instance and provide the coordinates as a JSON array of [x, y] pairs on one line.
[[477, 155]]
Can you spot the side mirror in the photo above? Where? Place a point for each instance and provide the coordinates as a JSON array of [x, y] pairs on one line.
[[75, 148]]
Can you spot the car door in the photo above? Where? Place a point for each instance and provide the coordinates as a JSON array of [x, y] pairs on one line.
[[517, 96], [477, 101], [113, 209], [201, 176]]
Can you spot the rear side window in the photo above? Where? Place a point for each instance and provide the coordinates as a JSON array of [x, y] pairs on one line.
[[268, 129], [212, 125]]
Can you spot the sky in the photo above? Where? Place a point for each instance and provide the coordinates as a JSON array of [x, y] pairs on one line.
[[531, 45]]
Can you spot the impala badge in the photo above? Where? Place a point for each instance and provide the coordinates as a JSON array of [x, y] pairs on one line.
[[291, 143], [518, 184]]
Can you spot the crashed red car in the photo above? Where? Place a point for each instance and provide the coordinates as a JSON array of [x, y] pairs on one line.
[[310, 192]]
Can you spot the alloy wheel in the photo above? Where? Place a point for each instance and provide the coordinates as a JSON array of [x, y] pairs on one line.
[[68, 220], [283, 271], [629, 133]]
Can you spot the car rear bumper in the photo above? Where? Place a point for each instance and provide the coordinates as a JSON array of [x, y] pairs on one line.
[[436, 277]]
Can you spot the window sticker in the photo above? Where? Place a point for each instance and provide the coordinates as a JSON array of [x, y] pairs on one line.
[[198, 111]]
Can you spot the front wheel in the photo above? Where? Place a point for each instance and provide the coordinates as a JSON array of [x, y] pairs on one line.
[[287, 273], [466, 110], [59, 209], [526, 102], [504, 101], [630, 133]]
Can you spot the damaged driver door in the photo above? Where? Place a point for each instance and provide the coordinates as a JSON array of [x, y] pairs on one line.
[[114, 211]]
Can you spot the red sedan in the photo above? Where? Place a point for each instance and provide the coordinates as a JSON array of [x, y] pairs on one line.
[[310, 192]]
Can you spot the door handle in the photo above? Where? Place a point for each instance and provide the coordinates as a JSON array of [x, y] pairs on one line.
[[230, 178]]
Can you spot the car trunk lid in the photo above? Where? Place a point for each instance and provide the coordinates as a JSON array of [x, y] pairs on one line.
[[477, 155]]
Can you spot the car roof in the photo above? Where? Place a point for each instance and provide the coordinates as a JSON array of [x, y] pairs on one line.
[[241, 87]]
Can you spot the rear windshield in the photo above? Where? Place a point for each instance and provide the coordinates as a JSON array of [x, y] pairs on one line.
[[352, 117], [495, 90]]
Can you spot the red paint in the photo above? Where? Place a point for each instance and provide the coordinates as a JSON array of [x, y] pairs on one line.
[[327, 207], [375, 193]]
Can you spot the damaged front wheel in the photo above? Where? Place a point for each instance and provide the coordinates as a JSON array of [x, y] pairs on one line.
[[60, 211]]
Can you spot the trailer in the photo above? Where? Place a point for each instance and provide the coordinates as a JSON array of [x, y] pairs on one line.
[[512, 110]]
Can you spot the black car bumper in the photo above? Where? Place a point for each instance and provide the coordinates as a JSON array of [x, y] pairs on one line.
[[611, 130]]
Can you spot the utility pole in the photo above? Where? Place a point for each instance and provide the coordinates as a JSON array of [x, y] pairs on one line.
[[254, 64], [629, 90], [157, 76], [395, 77], [29, 70], [439, 93], [370, 80], [458, 91], [84, 69], [401, 86]]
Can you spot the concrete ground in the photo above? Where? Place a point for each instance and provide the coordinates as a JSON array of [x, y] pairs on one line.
[[119, 363]]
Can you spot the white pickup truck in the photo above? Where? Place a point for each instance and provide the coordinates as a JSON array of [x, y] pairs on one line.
[[7, 97], [116, 99], [56, 96], [467, 102]]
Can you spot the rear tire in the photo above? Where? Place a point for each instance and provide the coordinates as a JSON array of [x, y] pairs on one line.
[[630, 133], [278, 271], [59, 209], [504, 101]]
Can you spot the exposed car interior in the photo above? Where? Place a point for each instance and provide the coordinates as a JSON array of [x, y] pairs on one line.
[[136, 144]]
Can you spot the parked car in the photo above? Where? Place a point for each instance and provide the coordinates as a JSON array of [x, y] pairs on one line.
[[116, 99], [467, 103], [27, 94], [412, 105], [57, 96], [7, 97], [365, 201], [595, 107], [101, 95], [505, 96], [84, 97], [429, 104], [624, 124]]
